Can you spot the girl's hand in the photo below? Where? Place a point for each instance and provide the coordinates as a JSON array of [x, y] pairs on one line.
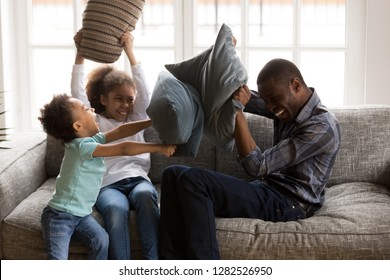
[[127, 40], [77, 39]]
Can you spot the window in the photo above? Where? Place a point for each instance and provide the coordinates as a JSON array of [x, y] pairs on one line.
[[315, 34], [312, 33]]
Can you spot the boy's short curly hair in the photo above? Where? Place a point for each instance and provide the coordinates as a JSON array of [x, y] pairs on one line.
[[57, 118]]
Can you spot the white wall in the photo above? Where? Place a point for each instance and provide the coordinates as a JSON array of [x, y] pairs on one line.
[[2, 73], [378, 52], [6, 66]]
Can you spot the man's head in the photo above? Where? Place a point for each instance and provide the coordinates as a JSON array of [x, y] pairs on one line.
[[281, 85]]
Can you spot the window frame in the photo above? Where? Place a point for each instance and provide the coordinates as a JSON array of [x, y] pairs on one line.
[[21, 115]]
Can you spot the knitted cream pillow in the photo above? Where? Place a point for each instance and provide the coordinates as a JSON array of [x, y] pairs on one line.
[[104, 22]]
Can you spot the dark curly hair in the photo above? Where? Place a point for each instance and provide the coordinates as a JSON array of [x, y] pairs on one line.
[[103, 80], [57, 118]]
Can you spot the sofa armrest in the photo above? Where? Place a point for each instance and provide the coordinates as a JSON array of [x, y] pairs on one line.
[[22, 170]]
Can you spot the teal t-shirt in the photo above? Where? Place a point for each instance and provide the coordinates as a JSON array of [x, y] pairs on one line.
[[80, 178]]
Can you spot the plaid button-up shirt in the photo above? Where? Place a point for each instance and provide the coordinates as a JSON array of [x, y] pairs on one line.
[[302, 154]]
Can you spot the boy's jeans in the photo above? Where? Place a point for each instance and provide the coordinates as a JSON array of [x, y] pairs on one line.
[[59, 228]]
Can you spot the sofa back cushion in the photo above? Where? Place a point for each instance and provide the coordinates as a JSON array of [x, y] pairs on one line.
[[54, 154], [205, 157], [364, 154]]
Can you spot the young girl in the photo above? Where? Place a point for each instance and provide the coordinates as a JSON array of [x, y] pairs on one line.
[[119, 99], [68, 213]]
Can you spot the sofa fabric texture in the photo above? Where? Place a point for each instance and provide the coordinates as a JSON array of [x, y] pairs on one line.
[[352, 224]]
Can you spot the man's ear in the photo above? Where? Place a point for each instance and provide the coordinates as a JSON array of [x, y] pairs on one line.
[[296, 85]]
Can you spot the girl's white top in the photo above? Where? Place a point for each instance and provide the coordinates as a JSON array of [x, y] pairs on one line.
[[120, 167]]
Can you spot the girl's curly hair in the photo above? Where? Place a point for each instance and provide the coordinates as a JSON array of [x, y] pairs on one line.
[[57, 118], [103, 80]]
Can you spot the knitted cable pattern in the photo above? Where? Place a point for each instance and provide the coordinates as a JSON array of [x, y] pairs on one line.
[[104, 22]]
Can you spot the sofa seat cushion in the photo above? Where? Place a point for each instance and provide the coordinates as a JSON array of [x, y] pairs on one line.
[[352, 224], [22, 234]]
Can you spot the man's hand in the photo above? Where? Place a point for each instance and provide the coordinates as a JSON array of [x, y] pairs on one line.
[[242, 95]]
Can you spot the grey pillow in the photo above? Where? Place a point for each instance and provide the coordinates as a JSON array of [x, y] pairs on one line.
[[176, 113], [104, 22], [215, 73]]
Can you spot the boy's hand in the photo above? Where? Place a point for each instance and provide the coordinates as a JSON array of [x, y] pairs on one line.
[[168, 150]]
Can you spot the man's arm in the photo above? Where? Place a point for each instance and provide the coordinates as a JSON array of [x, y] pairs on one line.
[[244, 140]]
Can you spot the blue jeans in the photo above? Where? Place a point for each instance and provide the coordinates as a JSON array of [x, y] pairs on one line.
[[115, 202], [191, 198], [60, 228]]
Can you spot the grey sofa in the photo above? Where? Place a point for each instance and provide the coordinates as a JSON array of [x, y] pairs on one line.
[[354, 222]]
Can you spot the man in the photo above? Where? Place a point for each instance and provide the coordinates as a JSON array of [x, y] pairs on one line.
[[291, 175]]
